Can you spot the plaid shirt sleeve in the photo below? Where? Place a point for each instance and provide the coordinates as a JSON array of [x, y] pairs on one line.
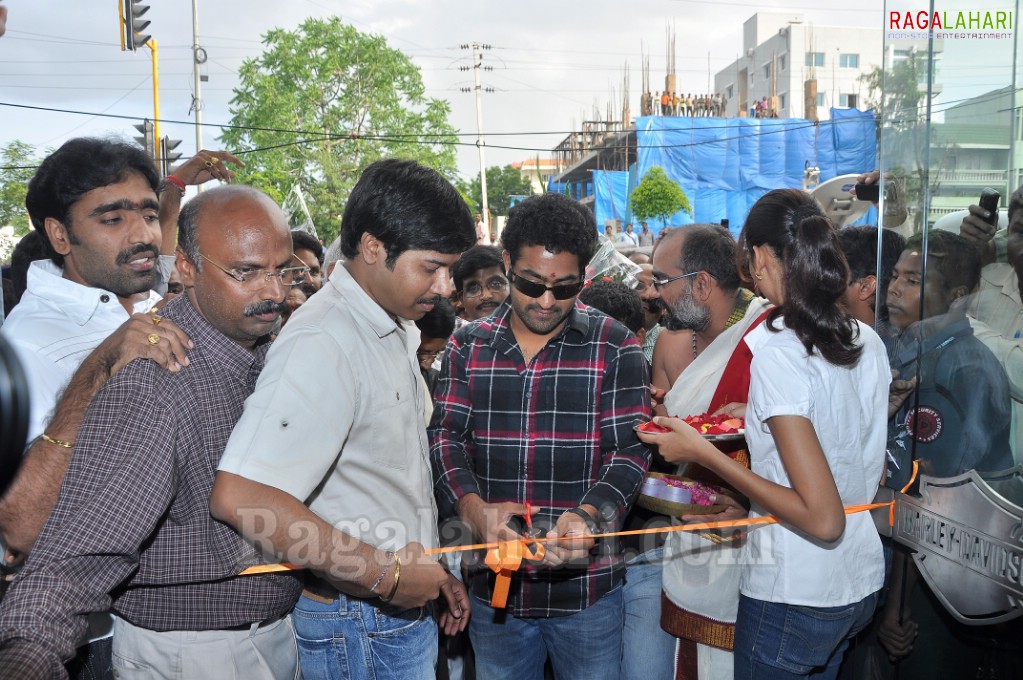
[[625, 401], [117, 486], [450, 431]]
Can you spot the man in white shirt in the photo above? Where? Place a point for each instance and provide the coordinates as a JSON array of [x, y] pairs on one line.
[[84, 309], [628, 237]]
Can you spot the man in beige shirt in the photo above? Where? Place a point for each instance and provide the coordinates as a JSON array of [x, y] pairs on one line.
[[329, 466]]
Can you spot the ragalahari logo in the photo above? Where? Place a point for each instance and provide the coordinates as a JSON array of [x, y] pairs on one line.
[[978, 20]]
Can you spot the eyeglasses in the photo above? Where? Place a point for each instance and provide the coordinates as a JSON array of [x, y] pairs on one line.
[[431, 355], [289, 276], [660, 283], [497, 286], [537, 290]]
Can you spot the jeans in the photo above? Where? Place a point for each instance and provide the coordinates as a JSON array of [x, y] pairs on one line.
[[586, 645], [92, 662], [781, 641], [648, 652], [364, 640]]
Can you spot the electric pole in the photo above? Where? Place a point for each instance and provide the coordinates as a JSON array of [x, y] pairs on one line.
[[477, 65], [198, 59]]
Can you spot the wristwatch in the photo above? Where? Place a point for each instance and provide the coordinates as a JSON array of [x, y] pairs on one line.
[[591, 524]]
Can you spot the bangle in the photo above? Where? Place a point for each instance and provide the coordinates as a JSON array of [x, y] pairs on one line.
[[397, 577], [383, 572], [171, 179], [59, 442]]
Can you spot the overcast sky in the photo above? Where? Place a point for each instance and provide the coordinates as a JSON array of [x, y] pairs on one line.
[[554, 62]]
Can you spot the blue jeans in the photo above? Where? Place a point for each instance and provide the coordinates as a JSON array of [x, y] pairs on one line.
[[353, 639], [781, 641], [648, 652], [586, 645]]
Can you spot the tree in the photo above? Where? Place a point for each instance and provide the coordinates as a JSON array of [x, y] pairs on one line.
[[502, 184], [17, 165], [658, 197], [321, 104]]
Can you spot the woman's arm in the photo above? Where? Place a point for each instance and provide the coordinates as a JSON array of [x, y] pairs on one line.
[[813, 504]]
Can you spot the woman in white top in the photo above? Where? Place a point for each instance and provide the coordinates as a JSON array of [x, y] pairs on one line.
[[815, 425]]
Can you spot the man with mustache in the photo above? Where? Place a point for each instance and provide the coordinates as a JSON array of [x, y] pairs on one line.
[[480, 281], [329, 466], [535, 406], [699, 285], [83, 314], [132, 529], [652, 308]]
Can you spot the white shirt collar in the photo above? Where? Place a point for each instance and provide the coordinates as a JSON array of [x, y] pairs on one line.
[[79, 302]]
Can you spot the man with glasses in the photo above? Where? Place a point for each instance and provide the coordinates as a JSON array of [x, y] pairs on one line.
[[695, 272], [480, 282], [329, 465], [535, 409], [132, 530]]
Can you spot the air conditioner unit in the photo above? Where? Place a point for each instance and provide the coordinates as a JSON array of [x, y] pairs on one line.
[[749, 52]]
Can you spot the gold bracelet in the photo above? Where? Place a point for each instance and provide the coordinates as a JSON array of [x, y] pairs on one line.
[[397, 577], [59, 442]]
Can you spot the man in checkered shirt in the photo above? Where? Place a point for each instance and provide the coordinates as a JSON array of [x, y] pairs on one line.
[[536, 405]]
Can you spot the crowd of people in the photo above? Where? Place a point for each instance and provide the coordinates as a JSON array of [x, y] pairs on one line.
[[253, 456], [681, 104]]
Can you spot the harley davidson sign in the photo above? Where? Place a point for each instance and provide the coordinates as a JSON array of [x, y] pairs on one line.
[[968, 534]]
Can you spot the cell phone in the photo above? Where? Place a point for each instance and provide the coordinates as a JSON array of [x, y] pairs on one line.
[[868, 192], [989, 201]]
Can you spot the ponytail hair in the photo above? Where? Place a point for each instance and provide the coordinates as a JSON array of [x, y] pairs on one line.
[[793, 225]]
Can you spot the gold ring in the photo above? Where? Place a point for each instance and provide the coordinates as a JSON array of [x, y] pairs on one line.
[[154, 339], [210, 164], [157, 319]]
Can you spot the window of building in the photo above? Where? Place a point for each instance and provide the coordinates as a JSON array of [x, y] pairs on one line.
[[729, 91], [847, 101], [767, 70], [781, 62], [849, 60], [820, 99], [781, 101], [815, 59]]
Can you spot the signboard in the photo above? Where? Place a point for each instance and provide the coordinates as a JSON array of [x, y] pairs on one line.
[[968, 535]]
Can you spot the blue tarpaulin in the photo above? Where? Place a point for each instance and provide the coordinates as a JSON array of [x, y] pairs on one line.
[[725, 164]]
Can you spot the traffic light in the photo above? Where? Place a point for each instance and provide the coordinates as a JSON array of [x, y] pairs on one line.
[[148, 138], [167, 154], [135, 25]]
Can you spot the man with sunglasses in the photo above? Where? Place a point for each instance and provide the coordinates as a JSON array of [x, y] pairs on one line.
[[131, 529], [535, 409]]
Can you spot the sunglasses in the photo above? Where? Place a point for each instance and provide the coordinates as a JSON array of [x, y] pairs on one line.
[[537, 290]]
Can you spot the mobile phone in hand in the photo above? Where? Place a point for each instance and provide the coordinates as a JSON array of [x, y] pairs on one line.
[[868, 192], [989, 201]]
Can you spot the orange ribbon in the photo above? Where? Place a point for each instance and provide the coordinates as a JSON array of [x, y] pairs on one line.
[[505, 560], [505, 557]]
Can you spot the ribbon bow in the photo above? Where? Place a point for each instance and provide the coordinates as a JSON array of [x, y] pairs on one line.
[[505, 560]]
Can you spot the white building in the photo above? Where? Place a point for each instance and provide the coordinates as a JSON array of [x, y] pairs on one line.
[[790, 61], [537, 171]]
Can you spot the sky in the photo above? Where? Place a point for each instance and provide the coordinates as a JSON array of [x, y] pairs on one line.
[[555, 63]]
